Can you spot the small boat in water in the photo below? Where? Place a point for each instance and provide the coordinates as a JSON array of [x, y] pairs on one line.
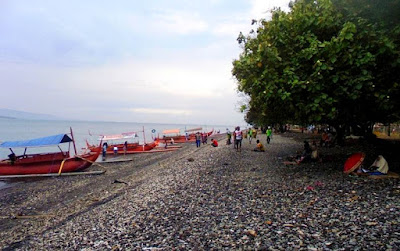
[[47, 162]]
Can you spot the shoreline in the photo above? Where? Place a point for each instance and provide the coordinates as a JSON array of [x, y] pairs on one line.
[[207, 198]]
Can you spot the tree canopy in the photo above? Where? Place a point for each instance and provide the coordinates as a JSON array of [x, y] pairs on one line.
[[325, 61]]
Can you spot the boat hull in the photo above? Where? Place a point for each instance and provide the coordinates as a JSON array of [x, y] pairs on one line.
[[47, 163], [132, 147], [181, 138]]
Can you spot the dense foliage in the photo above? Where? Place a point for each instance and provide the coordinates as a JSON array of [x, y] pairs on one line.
[[326, 61]]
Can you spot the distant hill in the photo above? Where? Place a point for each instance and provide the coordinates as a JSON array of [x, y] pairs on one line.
[[14, 114]]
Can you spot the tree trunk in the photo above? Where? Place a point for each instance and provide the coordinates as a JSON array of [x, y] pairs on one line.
[[340, 134]]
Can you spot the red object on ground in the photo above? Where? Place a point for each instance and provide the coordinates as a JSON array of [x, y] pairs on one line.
[[43, 163], [353, 162], [132, 147]]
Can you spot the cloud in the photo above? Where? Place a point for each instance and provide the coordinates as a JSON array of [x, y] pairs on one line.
[[175, 21], [161, 111], [164, 61], [262, 9]]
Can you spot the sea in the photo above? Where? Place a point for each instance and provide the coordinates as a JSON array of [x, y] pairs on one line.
[[90, 131]]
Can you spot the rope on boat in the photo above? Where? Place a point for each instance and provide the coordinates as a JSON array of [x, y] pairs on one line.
[[93, 162], [61, 166]]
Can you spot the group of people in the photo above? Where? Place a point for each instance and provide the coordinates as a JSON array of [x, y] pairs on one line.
[[309, 154], [237, 138], [251, 134], [327, 139], [203, 138]]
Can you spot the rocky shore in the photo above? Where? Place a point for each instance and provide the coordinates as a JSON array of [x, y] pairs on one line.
[[207, 199]]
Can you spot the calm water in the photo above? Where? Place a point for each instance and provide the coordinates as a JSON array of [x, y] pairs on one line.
[[17, 129]]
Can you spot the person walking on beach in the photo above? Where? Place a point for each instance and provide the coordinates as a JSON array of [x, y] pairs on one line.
[[125, 147], [238, 139], [165, 142], [269, 134], [198, 139], [229, 136], [105, 145], [204, 138], [234, 138], [250, 133]]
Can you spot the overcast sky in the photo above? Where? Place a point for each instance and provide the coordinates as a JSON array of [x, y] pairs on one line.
[[165, 61]]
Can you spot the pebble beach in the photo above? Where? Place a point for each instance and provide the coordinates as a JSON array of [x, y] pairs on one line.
[[207, 198]]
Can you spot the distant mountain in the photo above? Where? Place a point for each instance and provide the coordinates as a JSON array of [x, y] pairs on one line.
[[14, 114]]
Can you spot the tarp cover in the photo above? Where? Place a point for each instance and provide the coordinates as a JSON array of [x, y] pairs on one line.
[[171, 131], [194, 129], [45, 141], [125, 135]]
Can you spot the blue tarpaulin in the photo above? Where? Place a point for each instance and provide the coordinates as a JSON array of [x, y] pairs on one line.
[[46, 141]]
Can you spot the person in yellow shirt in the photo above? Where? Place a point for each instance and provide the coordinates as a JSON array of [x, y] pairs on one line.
[[260, 147]]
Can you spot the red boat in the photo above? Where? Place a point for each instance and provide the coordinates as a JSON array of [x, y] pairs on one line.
[[45, 163], [143, 148], [173, 135], [131, 147], [122, 148]]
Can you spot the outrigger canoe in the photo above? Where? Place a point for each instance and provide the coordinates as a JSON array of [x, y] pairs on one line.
[[107, 139], [123, 148], [45, 163], [173, 135]]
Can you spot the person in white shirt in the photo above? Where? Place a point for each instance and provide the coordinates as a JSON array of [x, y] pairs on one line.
[[238, 139]]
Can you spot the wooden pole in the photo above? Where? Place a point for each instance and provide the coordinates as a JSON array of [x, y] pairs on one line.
[[93, 162], [144, 137], [73, 140]]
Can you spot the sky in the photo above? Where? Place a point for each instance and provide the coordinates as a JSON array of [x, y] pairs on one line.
[[160, 61]]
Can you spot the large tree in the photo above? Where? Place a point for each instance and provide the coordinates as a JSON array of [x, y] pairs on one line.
[[321, 63]]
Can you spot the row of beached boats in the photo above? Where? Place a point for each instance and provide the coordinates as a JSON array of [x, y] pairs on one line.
[[61, 162]]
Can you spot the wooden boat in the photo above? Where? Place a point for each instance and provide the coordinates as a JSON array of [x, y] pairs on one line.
[[45, 163], [120, 138], [173, 135], [123, 148], [139, 148]]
